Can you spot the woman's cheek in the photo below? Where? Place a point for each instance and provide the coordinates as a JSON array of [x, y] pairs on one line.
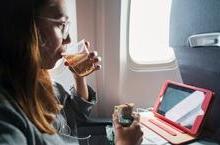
[[56, 43]]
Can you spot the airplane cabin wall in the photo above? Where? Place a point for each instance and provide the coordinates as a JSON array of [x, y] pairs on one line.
[[99, 22]]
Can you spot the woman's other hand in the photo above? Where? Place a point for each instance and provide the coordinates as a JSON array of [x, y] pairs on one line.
[[131, 135]]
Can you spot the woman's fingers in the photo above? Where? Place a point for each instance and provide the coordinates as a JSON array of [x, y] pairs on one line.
[[98, 67], [139, 133], [87, 44], [136, 116], [93, 57], [96, 59], [66, 63], [93, 54], [135, 124], [115, 121]]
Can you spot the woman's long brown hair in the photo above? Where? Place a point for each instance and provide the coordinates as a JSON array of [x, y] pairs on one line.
[[20, 63]]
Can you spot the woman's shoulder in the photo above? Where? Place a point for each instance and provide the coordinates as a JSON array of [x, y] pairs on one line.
[[9, 109], [16, 128], [12, 123], [11, 114]]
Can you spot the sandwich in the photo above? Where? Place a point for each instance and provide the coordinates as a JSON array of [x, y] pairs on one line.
[[124, 112]]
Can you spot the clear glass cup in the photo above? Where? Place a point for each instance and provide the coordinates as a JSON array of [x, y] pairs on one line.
[[78, 59]]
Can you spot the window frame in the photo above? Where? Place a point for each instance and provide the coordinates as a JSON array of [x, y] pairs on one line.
[[133, 65]]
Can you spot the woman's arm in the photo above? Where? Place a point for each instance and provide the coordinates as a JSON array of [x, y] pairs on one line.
[[81, 84], [81, 88], [75, 108]]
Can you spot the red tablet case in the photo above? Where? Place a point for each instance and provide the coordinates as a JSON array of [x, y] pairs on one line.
[[169, 130]]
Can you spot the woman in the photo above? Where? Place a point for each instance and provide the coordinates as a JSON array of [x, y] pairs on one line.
[[34, 34]]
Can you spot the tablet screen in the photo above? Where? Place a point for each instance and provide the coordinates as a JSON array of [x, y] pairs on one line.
[[181, 105]]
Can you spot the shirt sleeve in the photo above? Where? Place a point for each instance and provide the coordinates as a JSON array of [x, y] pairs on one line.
[[11, 135], [74, 101], [83, 104], [11, 126], [75, 109]]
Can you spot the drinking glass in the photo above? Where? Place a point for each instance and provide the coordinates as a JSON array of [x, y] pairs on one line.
[[78, 59]]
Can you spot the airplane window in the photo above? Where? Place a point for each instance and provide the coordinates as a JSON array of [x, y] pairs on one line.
[[149, 32]]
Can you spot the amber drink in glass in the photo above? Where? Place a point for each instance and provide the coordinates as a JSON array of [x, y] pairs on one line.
[[77, 57]]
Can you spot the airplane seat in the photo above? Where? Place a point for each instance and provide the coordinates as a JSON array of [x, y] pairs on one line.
[[199, 65]]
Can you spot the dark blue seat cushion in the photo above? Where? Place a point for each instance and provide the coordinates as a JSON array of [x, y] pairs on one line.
[[198, 66]]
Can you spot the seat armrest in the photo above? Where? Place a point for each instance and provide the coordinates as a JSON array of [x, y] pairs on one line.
[[93, 126], [95, 122]]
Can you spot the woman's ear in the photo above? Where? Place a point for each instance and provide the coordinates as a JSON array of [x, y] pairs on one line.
[[42, 40]]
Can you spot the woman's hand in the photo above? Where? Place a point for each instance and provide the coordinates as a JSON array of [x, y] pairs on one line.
[[131, 135], [80, 82], [94, 58]]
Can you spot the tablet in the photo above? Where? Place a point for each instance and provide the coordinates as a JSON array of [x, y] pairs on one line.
[[179, 111]]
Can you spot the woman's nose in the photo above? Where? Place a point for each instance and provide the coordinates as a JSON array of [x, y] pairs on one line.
[[67, 40]]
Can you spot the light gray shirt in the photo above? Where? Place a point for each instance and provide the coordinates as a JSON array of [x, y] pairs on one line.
[[17, 129]]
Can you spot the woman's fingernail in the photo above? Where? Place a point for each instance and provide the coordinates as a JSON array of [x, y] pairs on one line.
[[66, 63], [87, 44]]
